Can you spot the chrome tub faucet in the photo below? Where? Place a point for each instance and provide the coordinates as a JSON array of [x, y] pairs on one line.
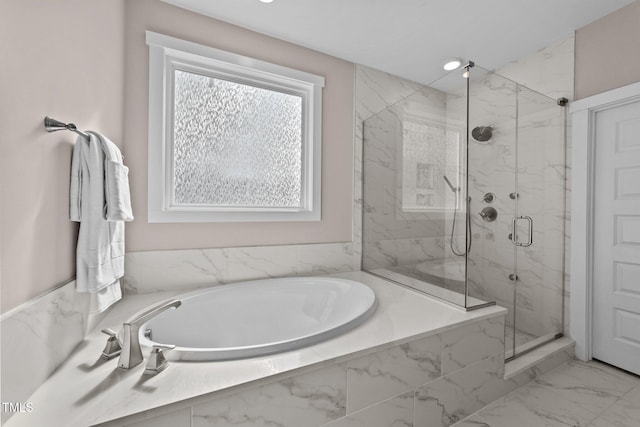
[[131, 354]]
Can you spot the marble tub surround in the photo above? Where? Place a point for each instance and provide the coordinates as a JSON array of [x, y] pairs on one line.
[[402, 385], [378, 389], [388, 373], [310, 399], [37, 337], [172, 270], [102, 393]]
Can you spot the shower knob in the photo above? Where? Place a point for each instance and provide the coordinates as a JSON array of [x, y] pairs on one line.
[[489, 214], [489, 197]]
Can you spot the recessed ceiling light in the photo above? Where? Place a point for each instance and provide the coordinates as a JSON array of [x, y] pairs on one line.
[[266, 1], [452, 64]]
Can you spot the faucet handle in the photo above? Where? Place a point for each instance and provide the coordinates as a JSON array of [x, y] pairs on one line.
[[113, 347], [157, 362], [109, 332]]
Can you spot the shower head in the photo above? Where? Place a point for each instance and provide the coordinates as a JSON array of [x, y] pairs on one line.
[[482, 133]]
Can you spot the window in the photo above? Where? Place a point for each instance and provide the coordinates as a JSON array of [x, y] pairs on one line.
[[231, 138], [430, 151]]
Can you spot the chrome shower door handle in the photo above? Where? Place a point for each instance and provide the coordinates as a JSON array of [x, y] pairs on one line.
[[529, 241]]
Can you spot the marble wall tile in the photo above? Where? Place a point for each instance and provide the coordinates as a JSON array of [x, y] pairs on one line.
[[376, 90], [259, 262], [155, 271], [387, 373], [310, 400], [327, 258], [468, 344], [194, 268], [395, 412], [549, 71], [542, 177], [450, 399], [37, 337]]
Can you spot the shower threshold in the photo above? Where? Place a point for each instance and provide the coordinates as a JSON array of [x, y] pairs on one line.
[[528, 346]]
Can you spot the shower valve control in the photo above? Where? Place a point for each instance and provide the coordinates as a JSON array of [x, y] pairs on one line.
[[513, 277], [489, 214], [514, 196], [489, 197]]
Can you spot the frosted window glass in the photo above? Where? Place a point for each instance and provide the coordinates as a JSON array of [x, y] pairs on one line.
[[235, 145]]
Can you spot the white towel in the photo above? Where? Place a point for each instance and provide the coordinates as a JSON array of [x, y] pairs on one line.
[[117, 195], [100, 249]]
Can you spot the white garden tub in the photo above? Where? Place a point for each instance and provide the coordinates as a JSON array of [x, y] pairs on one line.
[[255, 318]]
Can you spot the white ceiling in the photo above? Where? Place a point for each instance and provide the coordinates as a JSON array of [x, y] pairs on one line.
[[412, 38]]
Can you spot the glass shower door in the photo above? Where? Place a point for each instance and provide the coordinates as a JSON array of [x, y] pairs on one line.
[[516, 163], [538, 224], [492, 135]]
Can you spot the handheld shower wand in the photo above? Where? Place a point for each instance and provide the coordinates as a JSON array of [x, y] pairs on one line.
[[454, 189], [453, 225]]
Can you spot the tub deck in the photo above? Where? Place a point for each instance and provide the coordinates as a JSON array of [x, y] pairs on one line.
[[87, 390]]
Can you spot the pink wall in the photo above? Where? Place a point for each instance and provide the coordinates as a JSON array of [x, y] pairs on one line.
[[66, 59], [608, 52], [63, 59], [337, 132]]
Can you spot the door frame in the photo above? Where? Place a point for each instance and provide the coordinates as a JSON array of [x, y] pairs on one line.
[[583, 114]]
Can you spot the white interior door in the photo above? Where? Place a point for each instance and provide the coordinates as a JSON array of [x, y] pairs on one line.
[[616, 250]]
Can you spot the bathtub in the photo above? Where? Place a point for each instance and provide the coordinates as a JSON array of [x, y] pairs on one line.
[[260, 317]]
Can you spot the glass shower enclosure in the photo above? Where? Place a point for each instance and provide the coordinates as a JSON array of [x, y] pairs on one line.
[[464, 199]]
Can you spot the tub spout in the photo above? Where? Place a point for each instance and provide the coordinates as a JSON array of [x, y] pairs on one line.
[[131, 354]]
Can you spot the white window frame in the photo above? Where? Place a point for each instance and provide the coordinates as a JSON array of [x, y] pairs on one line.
[[166, 54]]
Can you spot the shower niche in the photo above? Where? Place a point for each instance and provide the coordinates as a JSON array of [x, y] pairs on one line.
[[464, 199]]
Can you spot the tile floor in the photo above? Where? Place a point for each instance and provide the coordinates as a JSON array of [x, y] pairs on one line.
[[576, 394]]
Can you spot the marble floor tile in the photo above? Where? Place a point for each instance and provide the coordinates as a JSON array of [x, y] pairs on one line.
[[634, 394], [594, 378], [473, 421], [576, 394], [532, 411], [623, 413]]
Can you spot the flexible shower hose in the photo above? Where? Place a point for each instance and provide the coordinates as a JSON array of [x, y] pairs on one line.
[[468, 230]]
